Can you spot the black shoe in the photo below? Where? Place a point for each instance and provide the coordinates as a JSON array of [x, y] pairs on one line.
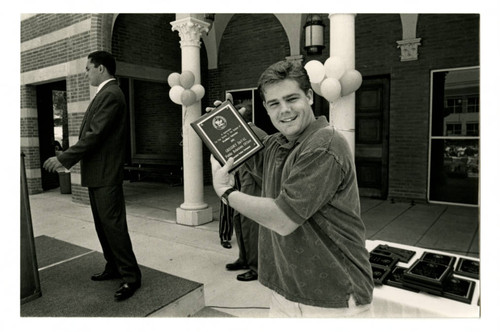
[[105, 276], [126, 290], [248, 276], [225, 244], [238, 265]]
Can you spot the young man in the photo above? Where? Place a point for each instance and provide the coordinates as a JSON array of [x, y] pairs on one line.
[[101, 152], [312, 251]]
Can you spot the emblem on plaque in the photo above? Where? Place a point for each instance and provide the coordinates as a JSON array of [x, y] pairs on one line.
[[219, 122]]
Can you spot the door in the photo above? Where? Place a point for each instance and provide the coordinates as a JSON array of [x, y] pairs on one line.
[[372, 136], [50, 125]]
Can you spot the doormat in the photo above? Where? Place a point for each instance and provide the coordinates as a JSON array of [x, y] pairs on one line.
[[67, 290]]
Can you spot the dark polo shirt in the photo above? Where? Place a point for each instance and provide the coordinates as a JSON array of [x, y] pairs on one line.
[[313, 180]]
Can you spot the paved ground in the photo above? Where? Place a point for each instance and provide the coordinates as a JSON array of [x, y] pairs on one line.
[[194, 253]]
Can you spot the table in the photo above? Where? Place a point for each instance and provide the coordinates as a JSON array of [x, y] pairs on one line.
[[392, 302]]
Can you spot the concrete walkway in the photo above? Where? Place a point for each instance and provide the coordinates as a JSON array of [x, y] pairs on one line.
[[195, 253]]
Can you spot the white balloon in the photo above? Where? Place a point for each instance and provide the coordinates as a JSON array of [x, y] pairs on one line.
[[350, 81], [188, 97], [315, 70], [330, 88], [174, 79], [317, 88], [199, 90], [175, 94], [334, 67], [187, 79]]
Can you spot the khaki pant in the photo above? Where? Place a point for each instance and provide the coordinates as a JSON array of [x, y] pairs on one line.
[[283, 308]]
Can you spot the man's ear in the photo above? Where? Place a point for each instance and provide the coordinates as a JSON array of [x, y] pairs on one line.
[[310, 96]]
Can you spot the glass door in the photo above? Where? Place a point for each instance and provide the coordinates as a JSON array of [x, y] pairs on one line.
[[454, 137]]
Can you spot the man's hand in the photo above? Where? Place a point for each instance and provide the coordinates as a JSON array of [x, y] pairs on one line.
[[221, 178], [218, 102], [53, 165]]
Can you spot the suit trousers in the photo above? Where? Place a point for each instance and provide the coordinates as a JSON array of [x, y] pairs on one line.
[[110, 220], [226, 226], [247, 236]]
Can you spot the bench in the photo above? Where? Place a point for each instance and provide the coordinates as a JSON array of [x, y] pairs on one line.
[[168, 171]]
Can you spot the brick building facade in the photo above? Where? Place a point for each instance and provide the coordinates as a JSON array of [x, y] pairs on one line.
[[54, 49]]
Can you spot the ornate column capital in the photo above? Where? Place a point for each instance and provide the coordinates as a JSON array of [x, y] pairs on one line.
[[409, 49], [190, 30]]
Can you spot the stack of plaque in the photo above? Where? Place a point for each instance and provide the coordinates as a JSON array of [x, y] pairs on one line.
[[429, 273], [382, 266], [403, 255], [395, 279], [468, 267], [459, 289]]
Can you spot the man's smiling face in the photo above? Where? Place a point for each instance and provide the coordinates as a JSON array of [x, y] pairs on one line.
[[288, 107]]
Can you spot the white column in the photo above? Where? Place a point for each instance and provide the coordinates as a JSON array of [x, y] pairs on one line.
[[342, 44], [194, 211]]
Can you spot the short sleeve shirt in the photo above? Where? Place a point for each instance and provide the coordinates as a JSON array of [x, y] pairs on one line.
[[313, 180]]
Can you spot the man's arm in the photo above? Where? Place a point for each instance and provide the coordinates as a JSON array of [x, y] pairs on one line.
[[262, 210]]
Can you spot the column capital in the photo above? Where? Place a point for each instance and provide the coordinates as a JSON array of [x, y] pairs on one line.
[[190, 30], [409, 49]]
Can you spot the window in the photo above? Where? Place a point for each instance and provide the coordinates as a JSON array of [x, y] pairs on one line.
[[472, 129], [453, 129], [473, 104], [454, 139], [454, 105]]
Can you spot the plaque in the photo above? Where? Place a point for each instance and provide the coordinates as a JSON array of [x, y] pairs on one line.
[[403, 254], [428, 275], [468, 268], [438, 258], [226, 134], [459, 289], [379, 274], [385, 261], [395, 279]]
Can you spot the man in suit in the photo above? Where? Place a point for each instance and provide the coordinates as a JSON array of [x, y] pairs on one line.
[[247, 230], [101, 151]]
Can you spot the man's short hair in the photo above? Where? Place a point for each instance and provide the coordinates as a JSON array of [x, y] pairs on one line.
[[103, 58], [284, 70]]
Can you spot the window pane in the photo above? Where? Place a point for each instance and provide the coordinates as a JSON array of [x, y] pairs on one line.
[[454, 171], [455, 102]]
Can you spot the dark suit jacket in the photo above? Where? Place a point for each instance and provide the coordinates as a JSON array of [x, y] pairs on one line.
[[101, 144]]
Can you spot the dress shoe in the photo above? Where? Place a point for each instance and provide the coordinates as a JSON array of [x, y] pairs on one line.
[[248, 276], [238, 265], [126, 290], [226, 244], [105, 276]]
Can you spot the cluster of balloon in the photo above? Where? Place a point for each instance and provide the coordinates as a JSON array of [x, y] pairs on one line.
[[183, 91], [332, 80]]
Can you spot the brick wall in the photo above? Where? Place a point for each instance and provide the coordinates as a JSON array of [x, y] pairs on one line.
[[29, 133], [249, 45], [448, 40], [158, 121], [148, 40], [43, 24]]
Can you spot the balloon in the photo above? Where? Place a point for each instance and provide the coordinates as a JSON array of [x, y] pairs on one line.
[[317, 88], [188, 97], [334, 67], [330, 88], [315, 70], [187, 79], [175, 94], [350, 81], [199, 91], [174, 79]]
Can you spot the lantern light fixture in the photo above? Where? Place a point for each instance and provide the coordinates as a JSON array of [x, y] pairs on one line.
[[313, 34]]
